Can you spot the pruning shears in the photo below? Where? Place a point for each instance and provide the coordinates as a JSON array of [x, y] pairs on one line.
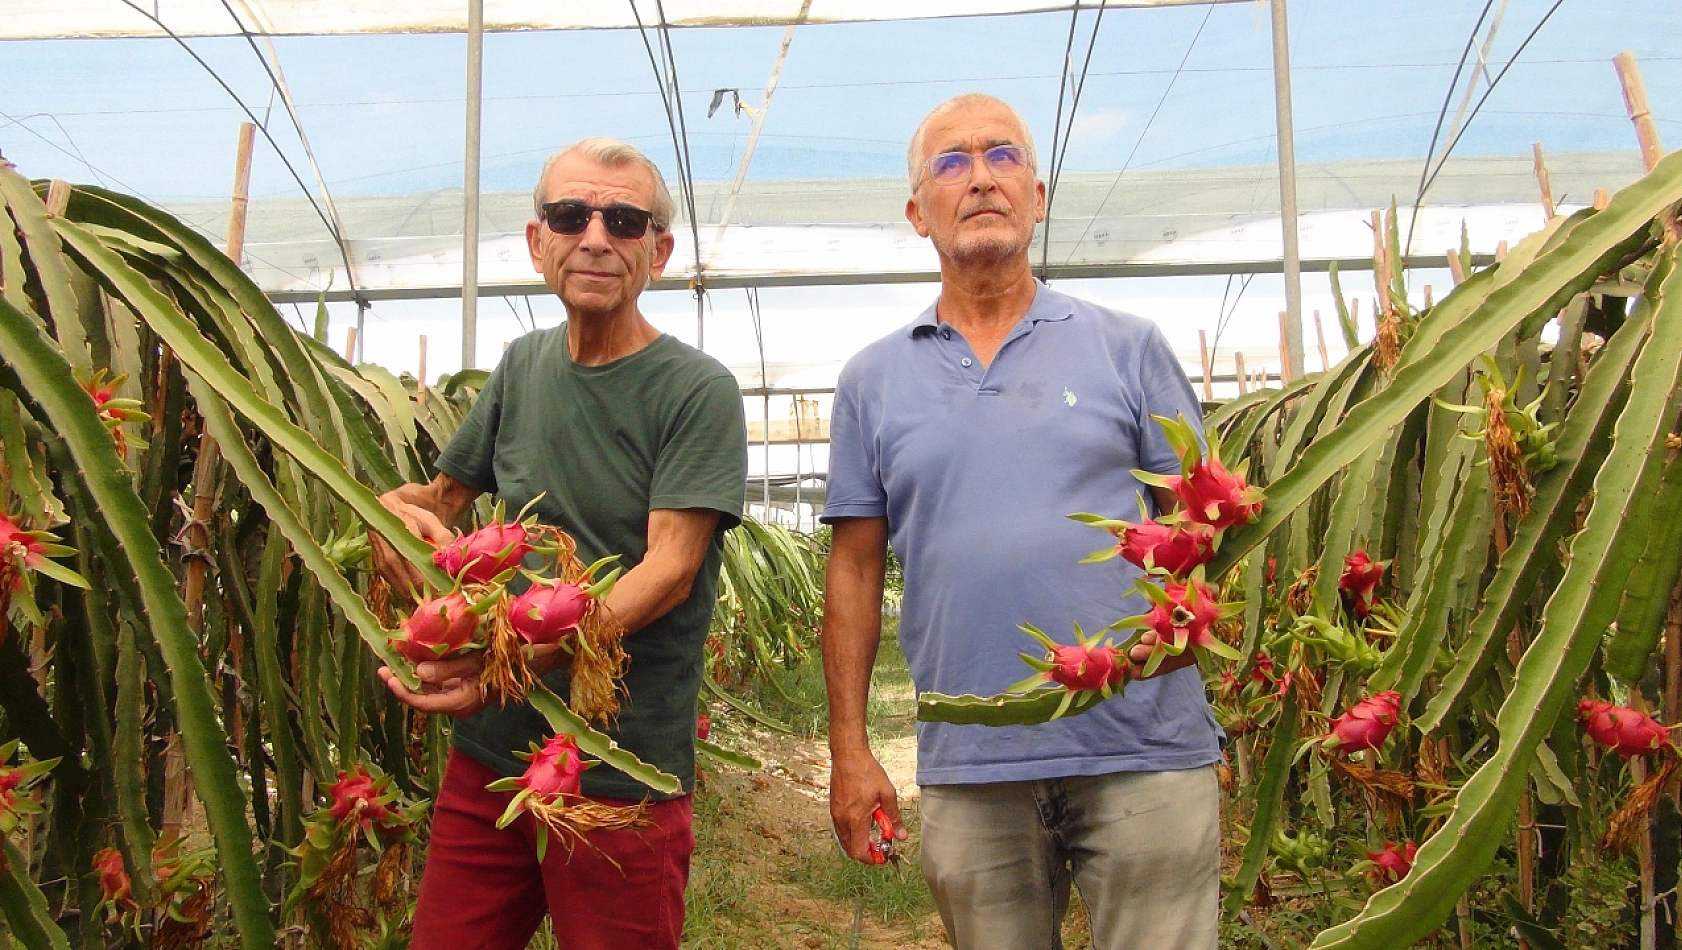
[[882, 848]]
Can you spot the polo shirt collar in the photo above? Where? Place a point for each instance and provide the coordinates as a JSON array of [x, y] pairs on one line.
[[1049, 306]]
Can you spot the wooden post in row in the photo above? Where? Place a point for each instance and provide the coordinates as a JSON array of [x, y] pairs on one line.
[[350, 345], [1238, 371], [1541, 167], [1320, 338], [1635, 103], [178, 794], [420, 390], [1208, 368], [1380, 264], [1455, 269], [1284, 349]]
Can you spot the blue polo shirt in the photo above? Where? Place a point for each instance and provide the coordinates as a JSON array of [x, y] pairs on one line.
[[976, 470]]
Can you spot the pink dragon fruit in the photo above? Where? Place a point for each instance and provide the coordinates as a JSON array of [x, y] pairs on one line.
[[439, 628], [1185, 615], [1078, 666], [703, 727], [113, 878], [555, 769], [1214, 496], [548, 611], [1361, 576], [359, 794], [1365, 725], [478, 557], [1173, 548], [1623, 730], [1391, 864]]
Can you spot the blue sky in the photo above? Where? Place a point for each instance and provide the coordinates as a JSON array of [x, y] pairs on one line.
[[385, 113]]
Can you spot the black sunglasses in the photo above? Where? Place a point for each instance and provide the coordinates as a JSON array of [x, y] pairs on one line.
[[625, 222]]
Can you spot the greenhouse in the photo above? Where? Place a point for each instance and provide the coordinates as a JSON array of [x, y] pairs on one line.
[[323, 477]]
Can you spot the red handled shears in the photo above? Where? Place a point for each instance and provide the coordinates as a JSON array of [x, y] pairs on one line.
[[882, 838]]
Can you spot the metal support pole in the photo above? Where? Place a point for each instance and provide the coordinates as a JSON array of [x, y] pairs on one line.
[[1292, 358], [470, 187]]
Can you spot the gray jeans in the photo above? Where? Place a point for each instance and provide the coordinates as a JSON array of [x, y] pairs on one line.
[[1143, 847]]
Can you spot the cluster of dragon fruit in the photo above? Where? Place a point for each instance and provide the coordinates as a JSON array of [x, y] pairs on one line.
[[561, 606], [1321, 652]]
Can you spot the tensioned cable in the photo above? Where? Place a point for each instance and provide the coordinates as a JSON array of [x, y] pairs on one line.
[[1058, 154], [1143, 132], [277, 84], [1487, 92], [1442, 114], [102, 174], [338, 239]]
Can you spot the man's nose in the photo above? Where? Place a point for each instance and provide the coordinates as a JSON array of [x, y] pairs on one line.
[[595, 236], [981, 178]]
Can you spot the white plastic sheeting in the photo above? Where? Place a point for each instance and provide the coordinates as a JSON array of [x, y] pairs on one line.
[[55, 19]]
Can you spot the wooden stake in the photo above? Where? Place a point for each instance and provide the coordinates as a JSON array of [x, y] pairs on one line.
[[1380, 264], [1320, 338], [1602, 198], [1635, 103], [420, 391], [58, 198], [1455, 268], [1427, 296], [1501, 251], [1238, 370], [1542, 182], [350, 345], [1208, 370], [1284, 351], [178, 797]]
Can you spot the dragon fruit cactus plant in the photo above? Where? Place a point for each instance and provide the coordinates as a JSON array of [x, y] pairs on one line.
[[550, 791], [362, 805]]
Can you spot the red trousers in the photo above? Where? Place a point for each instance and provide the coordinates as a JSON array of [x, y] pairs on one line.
[[484, 889]]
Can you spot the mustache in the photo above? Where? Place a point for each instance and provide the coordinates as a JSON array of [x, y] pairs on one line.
[[982, 207]]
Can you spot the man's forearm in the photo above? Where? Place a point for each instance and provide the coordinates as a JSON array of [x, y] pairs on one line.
[[852, 628]]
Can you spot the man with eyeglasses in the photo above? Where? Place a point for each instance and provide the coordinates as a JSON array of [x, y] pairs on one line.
[[637, 445], [964, 440]]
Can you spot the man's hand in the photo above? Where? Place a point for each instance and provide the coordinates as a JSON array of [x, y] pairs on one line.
[[1140, 653], [857, 786], [450, 687], [427, 511]]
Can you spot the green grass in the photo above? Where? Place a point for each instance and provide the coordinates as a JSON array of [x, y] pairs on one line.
[[891, 893]]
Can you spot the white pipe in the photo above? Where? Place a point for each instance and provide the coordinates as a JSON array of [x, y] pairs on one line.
[[470, 187], [1287, 192]]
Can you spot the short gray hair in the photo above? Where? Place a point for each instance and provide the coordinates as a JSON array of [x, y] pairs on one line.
[[611, 153], [913, 152]]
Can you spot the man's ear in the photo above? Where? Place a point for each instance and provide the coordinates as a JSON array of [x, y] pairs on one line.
[[914, 214], [1039, 200], [664, 244], [534, 244]]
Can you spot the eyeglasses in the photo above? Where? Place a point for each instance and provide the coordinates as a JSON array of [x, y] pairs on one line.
[[625, 222], [1003, 161]]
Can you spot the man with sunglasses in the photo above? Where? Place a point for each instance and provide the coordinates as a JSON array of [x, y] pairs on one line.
[[964, 440], [637, 445]]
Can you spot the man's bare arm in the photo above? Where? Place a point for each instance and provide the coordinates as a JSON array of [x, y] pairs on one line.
[[852, 631], [677, 544]]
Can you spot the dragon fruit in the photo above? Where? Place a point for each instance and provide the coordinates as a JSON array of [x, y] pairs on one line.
[[1214, 496], [1360, 580], [1086, 664], [1392, 864], [440, 627], [478, 557], [113, 877], [1365, 725], [360, 796], [1623, 730], [548, 611], [556, 769], [703, 727], [1175, 548], [16, 799], [1185, 615]]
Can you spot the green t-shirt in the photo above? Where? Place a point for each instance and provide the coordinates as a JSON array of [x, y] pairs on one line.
[[661, 428]]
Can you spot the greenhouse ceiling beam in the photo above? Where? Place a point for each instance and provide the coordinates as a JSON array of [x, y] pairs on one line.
[[536, 288], [1292, 263]]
